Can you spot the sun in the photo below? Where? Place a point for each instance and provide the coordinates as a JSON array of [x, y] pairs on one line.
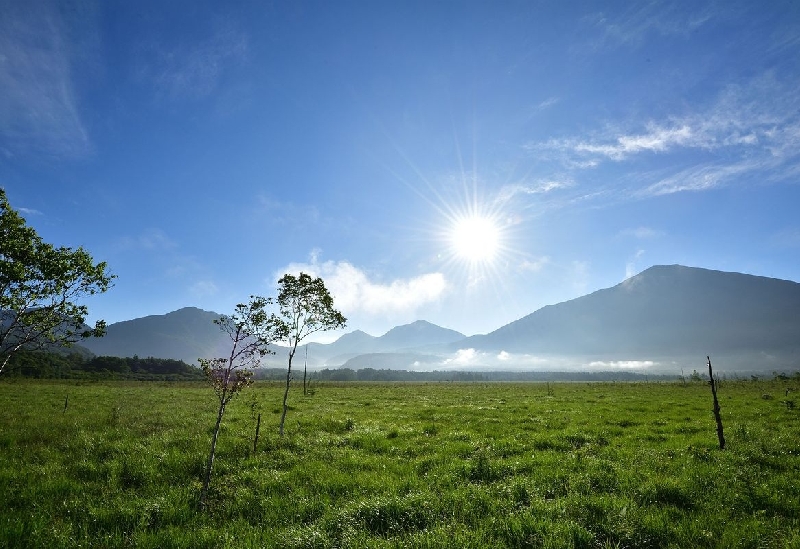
[[475, 238]]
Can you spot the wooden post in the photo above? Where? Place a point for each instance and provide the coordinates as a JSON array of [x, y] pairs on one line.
[[717, 417], [66, 403]]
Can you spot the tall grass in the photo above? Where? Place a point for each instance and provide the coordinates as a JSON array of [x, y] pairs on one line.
[[401, 465]]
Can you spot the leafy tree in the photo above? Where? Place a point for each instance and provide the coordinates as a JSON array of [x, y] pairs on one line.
[[39, 289], [306, 307], [251, 330]]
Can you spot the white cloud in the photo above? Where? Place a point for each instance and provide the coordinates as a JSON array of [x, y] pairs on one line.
[[463, 357], [354, 292], [621, 364], [470, 358], [29, 211]]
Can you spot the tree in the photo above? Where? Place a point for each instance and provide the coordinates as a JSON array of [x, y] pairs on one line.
[[305, 307], [40, 286], [251, 330]]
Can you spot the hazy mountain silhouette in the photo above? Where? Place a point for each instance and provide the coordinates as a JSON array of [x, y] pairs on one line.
[[663, 311], [190, 333], [186, 334], [417, 334]]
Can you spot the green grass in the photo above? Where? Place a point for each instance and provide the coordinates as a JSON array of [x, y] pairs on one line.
[[401, 465]]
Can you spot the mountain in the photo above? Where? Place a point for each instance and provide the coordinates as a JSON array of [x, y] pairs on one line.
[[190, 333], [186, 334], [664, 314], [417, 334], [663, 311]]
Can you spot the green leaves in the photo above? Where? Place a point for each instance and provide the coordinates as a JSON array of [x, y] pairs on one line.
[[306, 307], [40, 286]]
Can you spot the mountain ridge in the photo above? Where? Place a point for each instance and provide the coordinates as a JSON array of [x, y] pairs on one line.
[[666, 311]]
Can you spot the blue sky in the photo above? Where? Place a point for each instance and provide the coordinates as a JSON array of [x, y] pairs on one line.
[[203, 149]]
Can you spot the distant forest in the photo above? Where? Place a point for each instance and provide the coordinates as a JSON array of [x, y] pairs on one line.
[[43, 365]]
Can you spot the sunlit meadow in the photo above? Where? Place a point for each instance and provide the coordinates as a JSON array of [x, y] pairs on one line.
[[402, 465]]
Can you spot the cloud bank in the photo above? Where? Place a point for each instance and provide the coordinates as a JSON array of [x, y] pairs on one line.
[[355, 293]]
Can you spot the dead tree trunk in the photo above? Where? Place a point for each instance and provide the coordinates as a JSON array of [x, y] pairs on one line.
[[717, 417]]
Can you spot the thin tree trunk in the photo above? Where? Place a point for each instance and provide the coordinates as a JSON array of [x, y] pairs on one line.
[[258, 427], [286, 392], [717, 417], [305, 372], [210, 463]]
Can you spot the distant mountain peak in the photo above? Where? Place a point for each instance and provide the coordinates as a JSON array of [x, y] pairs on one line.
[[666, 310], [419, 333]]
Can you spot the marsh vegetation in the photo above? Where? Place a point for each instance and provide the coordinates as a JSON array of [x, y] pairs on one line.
[[401, 465]]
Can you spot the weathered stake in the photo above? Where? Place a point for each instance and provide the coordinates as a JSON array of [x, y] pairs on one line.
[[717, 417]]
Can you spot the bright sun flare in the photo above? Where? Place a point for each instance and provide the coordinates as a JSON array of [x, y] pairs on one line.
[[475, 239]]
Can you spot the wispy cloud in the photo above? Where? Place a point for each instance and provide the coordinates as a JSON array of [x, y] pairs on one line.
[[633, 25], [150, 239], [787, 238], [740, 133], [534, 265], [630, 266], [579, 272], [39, 111], [543, 186], [30, 211], [193, 70], [699, 178], [642, 233], [281, 212], [655, 139], [354, 292], [547, 103], [203, 288]]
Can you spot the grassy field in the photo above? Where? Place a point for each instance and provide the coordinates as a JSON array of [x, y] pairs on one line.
[[401, 465]]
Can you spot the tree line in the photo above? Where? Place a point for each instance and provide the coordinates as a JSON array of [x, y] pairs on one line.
[[46, 365]]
